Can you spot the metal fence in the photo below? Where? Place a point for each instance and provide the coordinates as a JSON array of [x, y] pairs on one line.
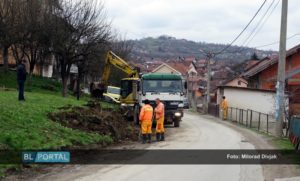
[[253, 119], [213, 109], [249, 118]]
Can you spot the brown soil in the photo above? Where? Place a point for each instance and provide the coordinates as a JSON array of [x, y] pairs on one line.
[[94, 118]]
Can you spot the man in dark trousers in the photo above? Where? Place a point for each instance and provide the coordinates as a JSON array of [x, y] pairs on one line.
[[21, 78]]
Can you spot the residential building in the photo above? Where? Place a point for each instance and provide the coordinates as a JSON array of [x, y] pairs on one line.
[[237, 82], [263, 75], [165, 68]]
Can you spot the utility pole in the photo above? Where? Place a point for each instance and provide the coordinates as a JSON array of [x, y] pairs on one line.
[[280, 86], [209, 57]]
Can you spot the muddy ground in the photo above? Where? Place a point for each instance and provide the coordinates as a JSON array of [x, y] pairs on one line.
[[96, 119]]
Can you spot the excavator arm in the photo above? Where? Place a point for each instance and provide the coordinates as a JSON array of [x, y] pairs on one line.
[[113, 59]]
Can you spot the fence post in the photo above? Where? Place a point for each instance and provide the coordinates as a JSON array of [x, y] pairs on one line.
[[242, 116], [247, 119], [231, 114], [258, 121], [239, 117], [236, 114], [267, 124], [251, 119]]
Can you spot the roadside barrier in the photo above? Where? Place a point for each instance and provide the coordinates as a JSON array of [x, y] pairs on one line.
[[252, 119]]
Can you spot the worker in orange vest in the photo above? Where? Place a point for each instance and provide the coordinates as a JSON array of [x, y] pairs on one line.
[[224, 107], [160, 115], [146, 115]]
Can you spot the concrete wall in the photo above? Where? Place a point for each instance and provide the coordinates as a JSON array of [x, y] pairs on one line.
[[260, 101], [251, 107]]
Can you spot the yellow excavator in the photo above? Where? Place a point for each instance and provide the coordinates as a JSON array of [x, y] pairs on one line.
[[127, 96]]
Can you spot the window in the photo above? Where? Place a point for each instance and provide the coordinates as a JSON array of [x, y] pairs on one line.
[[126, 88], [162, 86]]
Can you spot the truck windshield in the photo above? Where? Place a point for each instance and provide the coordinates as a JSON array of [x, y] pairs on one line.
[[162, 86], [113, 90]]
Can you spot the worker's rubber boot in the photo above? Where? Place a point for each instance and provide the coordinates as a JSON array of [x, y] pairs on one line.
[[157, 136], [144, 138], [162, 137], [149, 138]]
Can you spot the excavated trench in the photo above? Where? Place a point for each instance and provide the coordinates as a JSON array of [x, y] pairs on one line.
[[94, 118]]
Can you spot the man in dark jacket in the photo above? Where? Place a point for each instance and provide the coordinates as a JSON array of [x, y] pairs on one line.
[[21, 78]]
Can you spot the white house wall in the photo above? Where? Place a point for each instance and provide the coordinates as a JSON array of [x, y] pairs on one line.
[[260, 101]]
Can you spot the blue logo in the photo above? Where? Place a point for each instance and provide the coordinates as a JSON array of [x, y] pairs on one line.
[[46, 157]]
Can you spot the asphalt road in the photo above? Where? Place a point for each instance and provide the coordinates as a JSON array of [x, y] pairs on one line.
[[196, 132]]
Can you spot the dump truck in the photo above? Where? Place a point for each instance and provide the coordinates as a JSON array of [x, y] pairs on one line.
[[136, 88], [169, 88]]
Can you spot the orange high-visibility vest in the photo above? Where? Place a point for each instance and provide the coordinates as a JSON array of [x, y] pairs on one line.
[[160, 110], [146, 113]]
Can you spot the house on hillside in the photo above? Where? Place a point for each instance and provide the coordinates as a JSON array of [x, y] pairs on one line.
[[165, 68], [236, 82], [263, 75], [188, 72], [45, 70]]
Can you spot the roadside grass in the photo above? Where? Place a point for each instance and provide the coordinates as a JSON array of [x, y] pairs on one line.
[[283, 143], [26, 126], [39, 84]]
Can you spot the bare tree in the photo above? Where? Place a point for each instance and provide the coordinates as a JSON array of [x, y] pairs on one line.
[[121, 46], [79, 27], [8, 17], [32, 38]]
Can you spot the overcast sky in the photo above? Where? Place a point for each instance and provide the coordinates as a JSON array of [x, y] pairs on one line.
[[213, 21]]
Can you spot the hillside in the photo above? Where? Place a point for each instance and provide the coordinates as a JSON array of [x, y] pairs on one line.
[[165, 47]]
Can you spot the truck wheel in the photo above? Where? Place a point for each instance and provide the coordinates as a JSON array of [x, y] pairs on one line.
[[176, 122]]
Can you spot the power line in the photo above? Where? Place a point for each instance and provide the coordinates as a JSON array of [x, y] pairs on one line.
[[259, 22], [262, 25], [265, 45], [236, 38], [257, 25], [277, 42]]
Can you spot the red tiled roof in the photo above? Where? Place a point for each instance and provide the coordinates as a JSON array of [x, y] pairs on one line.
[[180, 67], [251, 63], [267, 62]]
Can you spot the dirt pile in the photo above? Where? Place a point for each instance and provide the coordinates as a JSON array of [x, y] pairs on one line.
[[94, 118]]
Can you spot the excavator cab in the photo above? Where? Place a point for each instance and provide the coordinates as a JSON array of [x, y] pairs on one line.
[[129, 91], [129, 98]]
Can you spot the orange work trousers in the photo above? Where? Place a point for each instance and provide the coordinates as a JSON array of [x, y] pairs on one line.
[[160, 125], [225, 112], [146, 127]]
